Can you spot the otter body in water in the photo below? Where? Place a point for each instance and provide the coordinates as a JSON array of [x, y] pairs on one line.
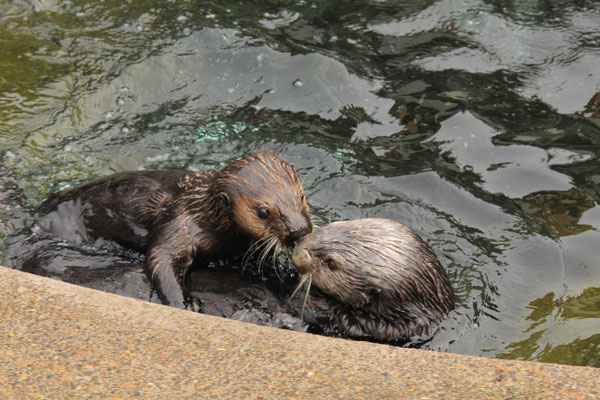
[[178, 217], [388, 285]]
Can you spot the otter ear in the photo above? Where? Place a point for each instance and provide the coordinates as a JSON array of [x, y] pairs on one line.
[[225, 197]]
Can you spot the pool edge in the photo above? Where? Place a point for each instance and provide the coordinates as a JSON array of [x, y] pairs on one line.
[[63, 341]]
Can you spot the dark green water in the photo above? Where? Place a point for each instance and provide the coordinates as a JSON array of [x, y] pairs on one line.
[[474, 122]]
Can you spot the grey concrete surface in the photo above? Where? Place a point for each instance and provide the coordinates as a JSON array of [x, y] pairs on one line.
[[60, 341]]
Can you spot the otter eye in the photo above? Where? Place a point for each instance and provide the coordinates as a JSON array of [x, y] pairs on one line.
[[301, 196], [262, 213], [331, 264]]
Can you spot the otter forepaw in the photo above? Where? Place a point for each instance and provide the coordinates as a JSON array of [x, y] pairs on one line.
[[193, 302]]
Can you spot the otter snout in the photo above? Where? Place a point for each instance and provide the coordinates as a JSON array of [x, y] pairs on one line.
[[297, 225], [301, 259]]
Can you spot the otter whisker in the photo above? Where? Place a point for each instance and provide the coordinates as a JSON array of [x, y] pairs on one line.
[[307, 295], [272, 248], [256, 246], [263, 256], [274, 258], [303, 280], [260, 259], [272, 241], [252, 250], [276, 253]]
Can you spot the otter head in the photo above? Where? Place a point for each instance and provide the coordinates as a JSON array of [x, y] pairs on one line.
[[265, 198], [353, 261], [388, 280]]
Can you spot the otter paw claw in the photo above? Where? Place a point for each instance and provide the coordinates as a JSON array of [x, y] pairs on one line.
[[193, 304]]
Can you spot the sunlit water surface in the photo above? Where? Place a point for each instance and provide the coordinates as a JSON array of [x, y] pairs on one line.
[[475, 122]]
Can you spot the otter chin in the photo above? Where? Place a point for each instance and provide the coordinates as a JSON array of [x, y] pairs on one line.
[[178, 218], [384, 281]]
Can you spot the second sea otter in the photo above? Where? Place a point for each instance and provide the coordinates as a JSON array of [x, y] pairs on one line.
[[384, 282], [179, 217]]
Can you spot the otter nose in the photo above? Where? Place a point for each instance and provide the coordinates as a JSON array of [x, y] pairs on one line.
[[297, 234], [301, 259]]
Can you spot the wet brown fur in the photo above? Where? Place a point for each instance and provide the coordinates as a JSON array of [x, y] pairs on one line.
[[388, 283], [191, 216]]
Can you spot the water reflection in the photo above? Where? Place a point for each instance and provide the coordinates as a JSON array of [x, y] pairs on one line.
[[474, 122], [551, 324]]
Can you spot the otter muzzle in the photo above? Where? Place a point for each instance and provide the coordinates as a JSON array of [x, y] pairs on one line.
[[301, 259]]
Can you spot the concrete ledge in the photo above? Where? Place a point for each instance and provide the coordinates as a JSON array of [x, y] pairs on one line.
[[63, 341]]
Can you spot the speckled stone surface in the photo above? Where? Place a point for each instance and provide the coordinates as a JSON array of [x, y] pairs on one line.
[[63, 341]]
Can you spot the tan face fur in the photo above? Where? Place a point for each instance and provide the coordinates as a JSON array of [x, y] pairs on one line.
[[364, 261], [267, 199]]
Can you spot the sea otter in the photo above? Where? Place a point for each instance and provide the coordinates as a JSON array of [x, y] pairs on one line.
[[386, 282], [178, 217]]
